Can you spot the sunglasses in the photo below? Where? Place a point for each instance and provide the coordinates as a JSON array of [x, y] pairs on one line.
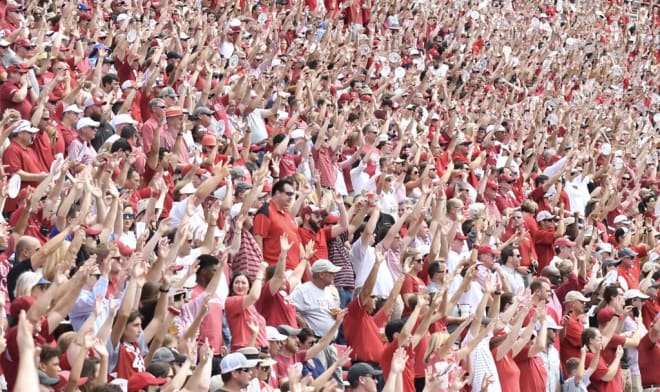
[[289, 193], [245, 370], [129, 216], [264, 368]]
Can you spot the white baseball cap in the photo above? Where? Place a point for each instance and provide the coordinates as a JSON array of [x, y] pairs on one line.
[[25, 126], [86, 122], [236, 361], [73, 108]]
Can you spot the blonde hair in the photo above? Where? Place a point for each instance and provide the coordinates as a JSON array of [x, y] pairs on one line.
[[25, 282], [437, 340], [54, 259], [409, 252]]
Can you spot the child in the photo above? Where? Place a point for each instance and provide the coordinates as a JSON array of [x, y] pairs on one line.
[[578, 379]]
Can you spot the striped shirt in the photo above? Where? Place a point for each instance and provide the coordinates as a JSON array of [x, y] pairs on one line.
[[338, 255], [249, 256]]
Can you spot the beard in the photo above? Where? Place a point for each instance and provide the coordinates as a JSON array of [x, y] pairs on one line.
[[314, 225]]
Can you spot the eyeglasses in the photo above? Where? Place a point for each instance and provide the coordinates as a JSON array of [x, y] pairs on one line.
[[129, 216], [245, 370], [625, 178], [264, 368]]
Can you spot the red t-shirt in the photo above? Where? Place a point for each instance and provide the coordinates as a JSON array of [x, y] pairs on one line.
[[320, 239], [572, 342], [648, 358], [9, 359], [411, 284], [507, 371], [130, 360], [237, 320], [408, 372], [283, 362], [270, 223], [533, 375], [211, 327], [277, 309], [362, 332], [543, 241], [597, 385], [7, 92], [17, 157]]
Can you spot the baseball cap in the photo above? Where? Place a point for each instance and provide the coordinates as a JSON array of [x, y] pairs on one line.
[[626, 252], [20, 68], [123, 118], [249, 352], [94, 101], [173, 111], [312, 209], [203, 110], [141, 380], [549, 324], [620, 219], [288, 330], [25, 126], [609, 262], [209, 140], [168, 92], [86, 122], [166, 354], [297, 134], [544, 215], [324, 265], [73, 108], [127, 84], [634, 293], [563, 241], [273, 335], [235, 361], [486, 250], [64, 379], [361, 369], [574, 295]]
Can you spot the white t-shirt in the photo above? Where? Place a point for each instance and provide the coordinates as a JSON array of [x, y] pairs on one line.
[[363, 260], [314, 305], [178, 211], [482, 364]]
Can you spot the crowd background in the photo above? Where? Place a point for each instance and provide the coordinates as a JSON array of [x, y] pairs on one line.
[[370, 195]]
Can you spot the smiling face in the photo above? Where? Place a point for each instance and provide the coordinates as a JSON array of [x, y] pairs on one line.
[[240, 285]]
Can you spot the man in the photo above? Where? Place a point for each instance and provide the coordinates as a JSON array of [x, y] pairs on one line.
[[208, 278], [49, 365], [205, 118], [273, 220], [634, 298], [629, 268], [550, 355], [510, 260], [236, 372], [15, 92], [649, 356], [573, 322], [81, 150], [67, 124], [292, 353], [20, 158], [545, 236], [96, 108], [525, 243], [316, 301], [362, 377], [456, 253], [312, 230], [157, 108], [171, 137]]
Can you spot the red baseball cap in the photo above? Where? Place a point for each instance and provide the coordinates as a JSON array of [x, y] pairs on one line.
[[493, 185], [605, 315], [142, 380], [563, 241], [486, 249], [124, 250]]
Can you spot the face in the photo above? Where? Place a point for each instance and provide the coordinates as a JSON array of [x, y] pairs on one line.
[[263, 372], [175, 122], [274, 347], [515, 258], [517, 219], [52, 367], [133, 330], [87, 133], [369, 383], [597, 341], [128, 217], [284, 198], [552, 336], [241, 286], [315, 221], [291, 344]]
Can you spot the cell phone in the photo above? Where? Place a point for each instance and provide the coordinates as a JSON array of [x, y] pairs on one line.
[[635, 312]]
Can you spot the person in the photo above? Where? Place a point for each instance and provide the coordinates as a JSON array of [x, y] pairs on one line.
[[241, 312], [578, 376], [604, 377], [550, 355], [316, 300], [144, 382], [273, 220], [81, 150], [236, 372], [16, 93], [510, 259], [204, 297], [648, 355], [362, 377], [571, 335]]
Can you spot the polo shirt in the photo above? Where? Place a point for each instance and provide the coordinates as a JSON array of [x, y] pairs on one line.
[[17, 157], [277, 309], [571, 342], [362, 332], [320, 239], [237, 320], [533, 374], [648, 358], [7, 91], [80, 151], [408, 372], [597, 385], [270, 223]]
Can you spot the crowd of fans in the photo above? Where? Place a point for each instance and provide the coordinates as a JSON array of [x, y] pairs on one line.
[[356, 194]]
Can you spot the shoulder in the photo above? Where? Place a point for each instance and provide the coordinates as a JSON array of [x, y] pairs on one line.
[[264, 210]]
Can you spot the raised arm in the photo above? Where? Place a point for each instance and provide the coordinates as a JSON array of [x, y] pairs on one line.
[[327, 338], [255, 291]]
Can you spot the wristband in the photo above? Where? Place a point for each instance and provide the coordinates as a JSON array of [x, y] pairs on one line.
[[164, 290]]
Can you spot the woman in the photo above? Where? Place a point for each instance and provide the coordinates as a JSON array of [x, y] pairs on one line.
[[388, 197], [240, 310], [127, 236], [264, 372], [607, 377], [412, 284], [31, 284]]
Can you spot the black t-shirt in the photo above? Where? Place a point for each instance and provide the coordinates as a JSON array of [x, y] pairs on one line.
[[14, 273]]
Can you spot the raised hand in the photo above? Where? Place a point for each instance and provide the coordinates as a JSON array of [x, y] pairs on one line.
[[399, 360]]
